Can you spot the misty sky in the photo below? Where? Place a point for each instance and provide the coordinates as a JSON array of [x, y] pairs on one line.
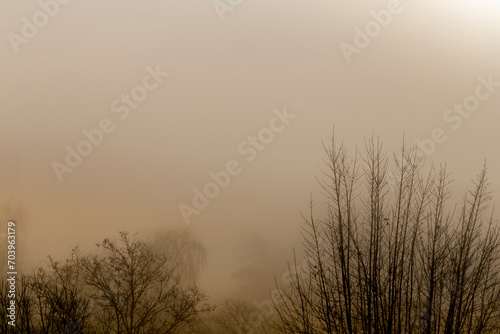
[[225, 79]]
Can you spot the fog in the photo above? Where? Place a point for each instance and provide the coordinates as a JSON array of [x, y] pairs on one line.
[[227, 80]]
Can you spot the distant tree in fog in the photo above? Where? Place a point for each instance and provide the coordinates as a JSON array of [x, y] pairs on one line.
[[183, 251], [233, 316]]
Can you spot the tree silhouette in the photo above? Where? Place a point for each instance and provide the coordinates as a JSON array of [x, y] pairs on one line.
[[136, 291], [127, 287], [394, 259], [59, 295]]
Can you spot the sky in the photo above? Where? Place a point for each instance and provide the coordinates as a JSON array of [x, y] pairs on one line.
[[172, 93]]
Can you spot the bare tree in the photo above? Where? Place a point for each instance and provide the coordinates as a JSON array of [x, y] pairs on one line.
[[129, 287], [24, 306], [60, 297], [393, 258], [136, 291]]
